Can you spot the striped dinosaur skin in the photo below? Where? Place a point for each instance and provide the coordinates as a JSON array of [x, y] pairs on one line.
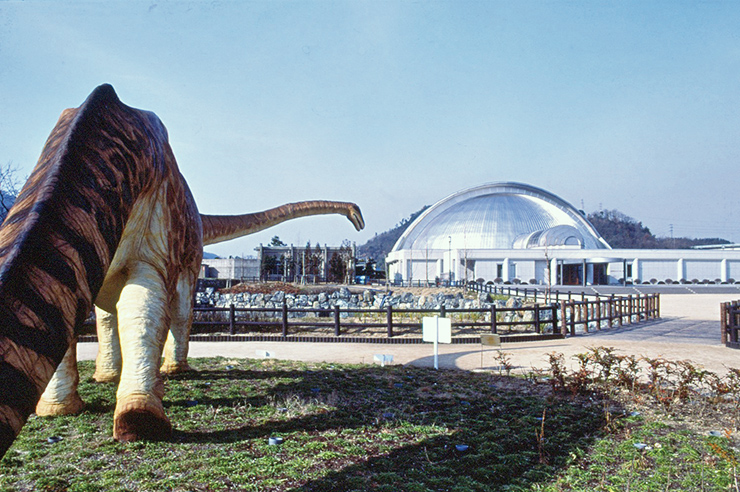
[[105, 219], [105, 216]]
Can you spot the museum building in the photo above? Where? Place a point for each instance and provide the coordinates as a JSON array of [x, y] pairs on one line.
[[517, 233]]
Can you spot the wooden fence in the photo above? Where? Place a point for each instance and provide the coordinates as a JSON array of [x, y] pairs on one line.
[[730, 323], [537, 321], [607, 312]]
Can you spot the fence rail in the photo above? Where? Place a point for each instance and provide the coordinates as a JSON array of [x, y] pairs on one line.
[[730, 322], [557, 319]]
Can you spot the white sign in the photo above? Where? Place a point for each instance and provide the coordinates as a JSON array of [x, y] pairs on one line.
[[436, 329]]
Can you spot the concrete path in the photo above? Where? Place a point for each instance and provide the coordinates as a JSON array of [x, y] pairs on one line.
[[689, 329]]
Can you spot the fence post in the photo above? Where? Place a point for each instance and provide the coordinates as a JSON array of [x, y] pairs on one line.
[[723, 322], [336, 321], [584, 315], [494, 325], [610, 306], [598, 312], [554, 308], [537, 327], [389, 318], [232, 316], [572, 318], [563, 319], [285, 318]]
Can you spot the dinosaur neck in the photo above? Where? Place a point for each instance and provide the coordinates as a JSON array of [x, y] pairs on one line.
[[218, 228]]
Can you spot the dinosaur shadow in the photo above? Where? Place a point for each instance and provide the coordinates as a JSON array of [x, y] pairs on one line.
[[496, 417]]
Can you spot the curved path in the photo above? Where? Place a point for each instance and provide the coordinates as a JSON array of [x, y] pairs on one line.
[[689, 329]]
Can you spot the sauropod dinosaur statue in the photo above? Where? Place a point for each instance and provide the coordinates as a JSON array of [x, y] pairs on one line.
[[105, 219], [61, 396]]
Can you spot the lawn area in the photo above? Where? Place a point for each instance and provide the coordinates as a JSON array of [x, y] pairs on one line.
[[393, 428]]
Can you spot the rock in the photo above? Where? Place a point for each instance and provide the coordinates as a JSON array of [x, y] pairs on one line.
[[514, 302], [278, 297], [344, 293], [368, 295], [322, 297]]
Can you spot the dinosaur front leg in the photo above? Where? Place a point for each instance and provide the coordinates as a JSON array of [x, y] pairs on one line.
[[143, 319], [60, 396], [108, 362], [178, 339]]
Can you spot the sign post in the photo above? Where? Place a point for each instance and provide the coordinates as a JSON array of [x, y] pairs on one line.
[[437, 330]]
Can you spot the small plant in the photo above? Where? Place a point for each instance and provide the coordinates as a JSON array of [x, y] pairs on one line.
[[504, 362]]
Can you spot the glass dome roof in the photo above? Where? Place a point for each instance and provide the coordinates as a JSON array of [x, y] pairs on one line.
[[500, 216]]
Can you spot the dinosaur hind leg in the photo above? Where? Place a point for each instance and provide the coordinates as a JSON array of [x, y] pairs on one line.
[[176, 348], [143, 318], [60, 396], [108, 361]]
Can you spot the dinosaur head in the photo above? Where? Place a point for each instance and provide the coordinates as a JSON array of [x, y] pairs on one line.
[[355, 216]]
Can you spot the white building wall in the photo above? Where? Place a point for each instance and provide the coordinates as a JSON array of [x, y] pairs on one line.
[[702, 270], [657, 269], [733, 270], [486, 269], [422, 270], [525, 270], [527, 264]]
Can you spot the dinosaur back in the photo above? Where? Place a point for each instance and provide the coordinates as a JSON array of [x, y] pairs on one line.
[[60, 236]]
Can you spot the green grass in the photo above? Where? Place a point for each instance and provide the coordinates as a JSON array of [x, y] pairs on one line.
[[371, 428]]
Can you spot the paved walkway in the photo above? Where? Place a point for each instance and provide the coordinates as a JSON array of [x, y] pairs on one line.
[[689, 329]]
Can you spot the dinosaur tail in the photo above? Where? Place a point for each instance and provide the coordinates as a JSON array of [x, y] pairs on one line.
[[58, 241], [218, 228]]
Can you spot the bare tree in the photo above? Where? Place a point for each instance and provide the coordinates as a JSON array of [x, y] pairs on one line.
[[9, 188]]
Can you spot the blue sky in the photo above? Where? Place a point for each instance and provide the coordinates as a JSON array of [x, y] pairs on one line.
[[394, 105]]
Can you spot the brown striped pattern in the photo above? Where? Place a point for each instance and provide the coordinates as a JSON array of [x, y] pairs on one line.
[[59, 239]]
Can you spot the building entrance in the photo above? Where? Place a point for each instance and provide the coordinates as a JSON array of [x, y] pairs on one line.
[[571, 274]]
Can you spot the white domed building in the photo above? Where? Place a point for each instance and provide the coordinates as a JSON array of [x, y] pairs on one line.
[[512, 232]]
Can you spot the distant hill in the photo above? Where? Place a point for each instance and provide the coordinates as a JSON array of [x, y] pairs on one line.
[[622, 231], [379, 246]]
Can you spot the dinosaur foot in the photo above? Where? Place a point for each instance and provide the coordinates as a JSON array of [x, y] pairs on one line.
[[174, 367], [72, 405], [103, 376], [140, 417]]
